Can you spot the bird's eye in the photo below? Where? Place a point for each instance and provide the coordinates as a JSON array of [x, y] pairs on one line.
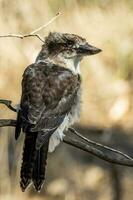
[[70, 42]]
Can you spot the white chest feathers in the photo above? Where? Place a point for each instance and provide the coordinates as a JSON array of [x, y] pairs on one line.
[[73, 64], [69, 120]]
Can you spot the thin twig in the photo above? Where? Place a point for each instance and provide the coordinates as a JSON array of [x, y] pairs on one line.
[[12, 35], [45, 25], [32, 34], [98, 144], [23, 36]]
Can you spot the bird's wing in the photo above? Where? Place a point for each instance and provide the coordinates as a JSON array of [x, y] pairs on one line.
[[48, 91]]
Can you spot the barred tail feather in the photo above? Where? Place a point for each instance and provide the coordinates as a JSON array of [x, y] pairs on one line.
[[28, 160], [38, 175], [18, 126]]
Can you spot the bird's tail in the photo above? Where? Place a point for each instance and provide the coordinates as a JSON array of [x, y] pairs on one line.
[[38, 175], [28, 160]]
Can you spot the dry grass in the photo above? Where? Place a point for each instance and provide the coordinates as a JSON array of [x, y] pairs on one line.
[[107, 77]]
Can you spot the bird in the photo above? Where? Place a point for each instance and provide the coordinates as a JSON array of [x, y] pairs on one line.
[[50, 101]]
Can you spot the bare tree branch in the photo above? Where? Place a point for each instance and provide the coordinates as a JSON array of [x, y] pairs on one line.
[[8, 104], [89, 147], [98, 144], [7, 122], [32, 34], [98, 153]]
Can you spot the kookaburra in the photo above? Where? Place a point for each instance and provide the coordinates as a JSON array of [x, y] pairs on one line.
[[50, 101]]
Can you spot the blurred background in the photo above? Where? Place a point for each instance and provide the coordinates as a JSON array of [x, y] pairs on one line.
[[107, 97]]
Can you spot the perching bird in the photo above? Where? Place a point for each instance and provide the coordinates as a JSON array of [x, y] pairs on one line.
[[50, 101]]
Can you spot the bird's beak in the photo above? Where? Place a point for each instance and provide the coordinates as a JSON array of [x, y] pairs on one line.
[[87, 50]]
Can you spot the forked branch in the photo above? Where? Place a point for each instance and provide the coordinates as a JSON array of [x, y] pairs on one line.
[[104, 153], [32, 33]]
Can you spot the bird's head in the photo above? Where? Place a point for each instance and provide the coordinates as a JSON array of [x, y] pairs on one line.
[[69, 45], [66, 50]]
